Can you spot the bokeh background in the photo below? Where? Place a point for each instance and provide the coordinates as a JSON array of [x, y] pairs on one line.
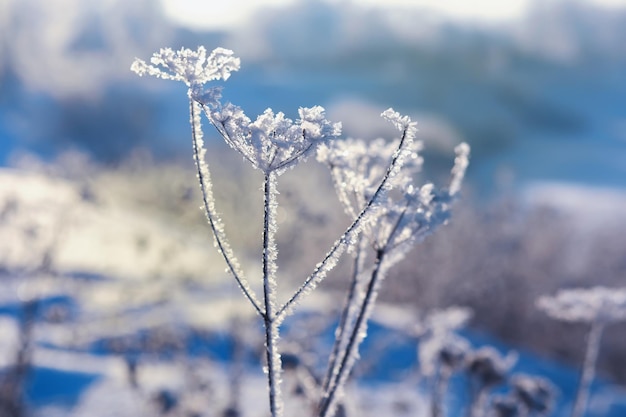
[[105, 260]]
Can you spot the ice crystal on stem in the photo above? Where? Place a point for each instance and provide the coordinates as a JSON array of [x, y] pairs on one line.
[[274, 143]]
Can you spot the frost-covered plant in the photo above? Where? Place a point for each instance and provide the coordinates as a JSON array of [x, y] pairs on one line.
[[529, 396], [535, 395], [442, 352], [405, 214], [504, 406], [598, 306], [486, 369], [272, 144]]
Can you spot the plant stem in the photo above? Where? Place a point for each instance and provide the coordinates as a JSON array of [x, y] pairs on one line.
[[208, 201], [329, 399], [270, 321], [345, 325], [589, 369]]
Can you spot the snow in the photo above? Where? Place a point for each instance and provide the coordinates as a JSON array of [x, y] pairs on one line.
[[79, 232]]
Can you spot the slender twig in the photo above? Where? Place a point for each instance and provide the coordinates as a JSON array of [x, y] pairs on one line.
[[327, 404], [341, 190], [269, 294], [320, 271], [297, 155], [343, 327], [213, 218], [338, 374], [589, 368]]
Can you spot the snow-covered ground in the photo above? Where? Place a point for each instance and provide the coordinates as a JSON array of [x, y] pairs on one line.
[[43, 214]]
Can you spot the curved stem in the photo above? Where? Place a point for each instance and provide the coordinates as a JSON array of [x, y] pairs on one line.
[[208, 201], [221, 129]]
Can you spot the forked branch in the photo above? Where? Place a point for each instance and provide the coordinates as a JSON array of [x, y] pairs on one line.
[[348, 237]]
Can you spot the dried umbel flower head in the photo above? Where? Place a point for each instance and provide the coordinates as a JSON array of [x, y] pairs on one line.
[[452, 354], [407, 212], [446, 350], [597, 304], [191, 67], [505, 406], [274, 143], [488, 368], [441, 346], [358, 166], [535, 393], [194, 68]]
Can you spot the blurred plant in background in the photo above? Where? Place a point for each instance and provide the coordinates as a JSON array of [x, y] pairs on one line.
[[598, 306]]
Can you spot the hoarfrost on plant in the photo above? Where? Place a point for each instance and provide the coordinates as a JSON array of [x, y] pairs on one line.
[[406, 212], [194, 68], [191, 67], [597, 304], [274, 143]]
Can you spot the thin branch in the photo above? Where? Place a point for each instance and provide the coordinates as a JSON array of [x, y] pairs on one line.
[[343, 327], [330, 260], [296, 156], [388, 243], [221, 129], [341, 191], [269, 294], [328, 402], [337, 375], [209, 209]]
